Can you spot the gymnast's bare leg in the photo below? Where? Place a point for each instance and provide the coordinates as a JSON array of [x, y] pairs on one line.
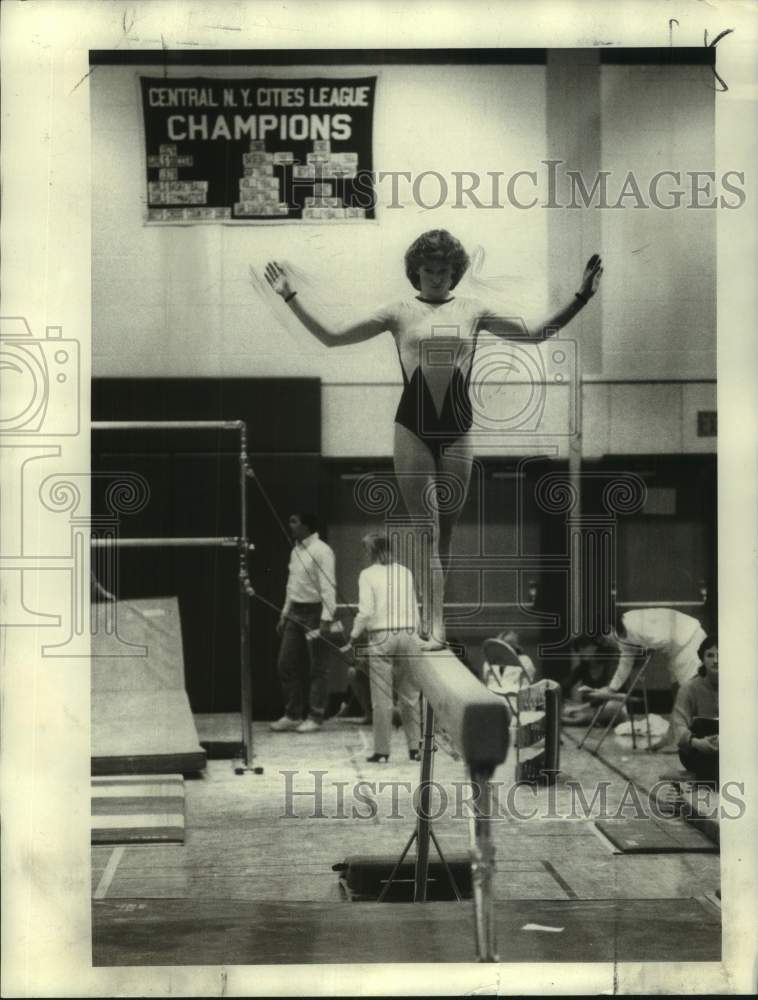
[[418, 479], [455, 465]]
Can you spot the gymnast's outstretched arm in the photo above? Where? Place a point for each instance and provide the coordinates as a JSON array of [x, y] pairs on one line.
[[516, 329], [328, 333]]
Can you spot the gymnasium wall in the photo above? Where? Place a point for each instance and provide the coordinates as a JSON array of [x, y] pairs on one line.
[[177, 301], [659, 303]]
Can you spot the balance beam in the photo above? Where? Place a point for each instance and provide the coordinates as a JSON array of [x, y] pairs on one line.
[[476, 720]]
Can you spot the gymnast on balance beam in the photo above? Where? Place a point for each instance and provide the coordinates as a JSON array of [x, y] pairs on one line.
[[433, 422]]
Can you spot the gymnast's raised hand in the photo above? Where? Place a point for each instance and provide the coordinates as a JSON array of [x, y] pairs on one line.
[[591, 277], [278, 279], [305, 307]]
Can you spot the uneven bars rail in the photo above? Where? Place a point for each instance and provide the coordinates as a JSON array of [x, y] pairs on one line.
[[169, 543], [660, 604], [168, 425], [461, 604]]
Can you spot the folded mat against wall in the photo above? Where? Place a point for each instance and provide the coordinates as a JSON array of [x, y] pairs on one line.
[[141, 716]]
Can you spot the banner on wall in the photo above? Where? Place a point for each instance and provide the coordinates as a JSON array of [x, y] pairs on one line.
[[258, 150]]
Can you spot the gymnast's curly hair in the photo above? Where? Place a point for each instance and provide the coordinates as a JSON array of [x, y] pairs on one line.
[[437, 244]]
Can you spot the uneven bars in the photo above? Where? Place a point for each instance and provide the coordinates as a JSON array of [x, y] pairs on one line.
[[175, 543], [240, 543], [168, 425], [460, 604], [660, 604]]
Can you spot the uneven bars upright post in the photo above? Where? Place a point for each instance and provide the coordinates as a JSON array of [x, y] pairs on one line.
[[245, 591]]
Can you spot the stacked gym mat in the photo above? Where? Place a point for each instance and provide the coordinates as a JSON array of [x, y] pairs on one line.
[[141, 717]]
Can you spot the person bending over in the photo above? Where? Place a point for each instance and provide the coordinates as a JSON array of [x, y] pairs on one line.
[[597, 658], [663, 630]]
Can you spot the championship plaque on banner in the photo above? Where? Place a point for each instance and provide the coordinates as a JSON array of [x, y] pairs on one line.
[[258, 150]]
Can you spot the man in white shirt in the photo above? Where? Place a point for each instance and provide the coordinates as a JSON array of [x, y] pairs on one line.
[[309, 606], [665, 630]]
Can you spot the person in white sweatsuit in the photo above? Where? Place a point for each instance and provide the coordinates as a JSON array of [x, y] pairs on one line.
[[664, 630]]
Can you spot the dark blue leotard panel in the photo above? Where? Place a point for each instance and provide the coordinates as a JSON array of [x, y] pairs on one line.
[[418, 412]]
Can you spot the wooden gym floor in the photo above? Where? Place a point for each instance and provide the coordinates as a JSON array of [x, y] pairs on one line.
[[252, 884]]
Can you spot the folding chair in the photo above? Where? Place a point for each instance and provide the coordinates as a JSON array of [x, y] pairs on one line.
[[625, 701], [499, 653]]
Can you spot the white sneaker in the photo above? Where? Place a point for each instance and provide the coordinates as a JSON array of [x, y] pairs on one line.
[[284, 724], [308, 726]]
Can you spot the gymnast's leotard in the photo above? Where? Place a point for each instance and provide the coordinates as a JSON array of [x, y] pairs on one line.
[[436, 343]]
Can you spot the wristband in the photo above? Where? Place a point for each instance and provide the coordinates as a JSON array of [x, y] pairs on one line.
[[578, 295], [290, 297]]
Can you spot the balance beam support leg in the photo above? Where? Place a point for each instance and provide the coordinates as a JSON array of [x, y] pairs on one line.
[[483, 867], [423, 825]]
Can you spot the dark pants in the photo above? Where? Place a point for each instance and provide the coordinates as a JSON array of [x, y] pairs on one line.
[[360, 686], [302, 665], [705, 765]]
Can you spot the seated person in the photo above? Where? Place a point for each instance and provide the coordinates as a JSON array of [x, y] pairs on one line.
[[596, 661], [696, 712]]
